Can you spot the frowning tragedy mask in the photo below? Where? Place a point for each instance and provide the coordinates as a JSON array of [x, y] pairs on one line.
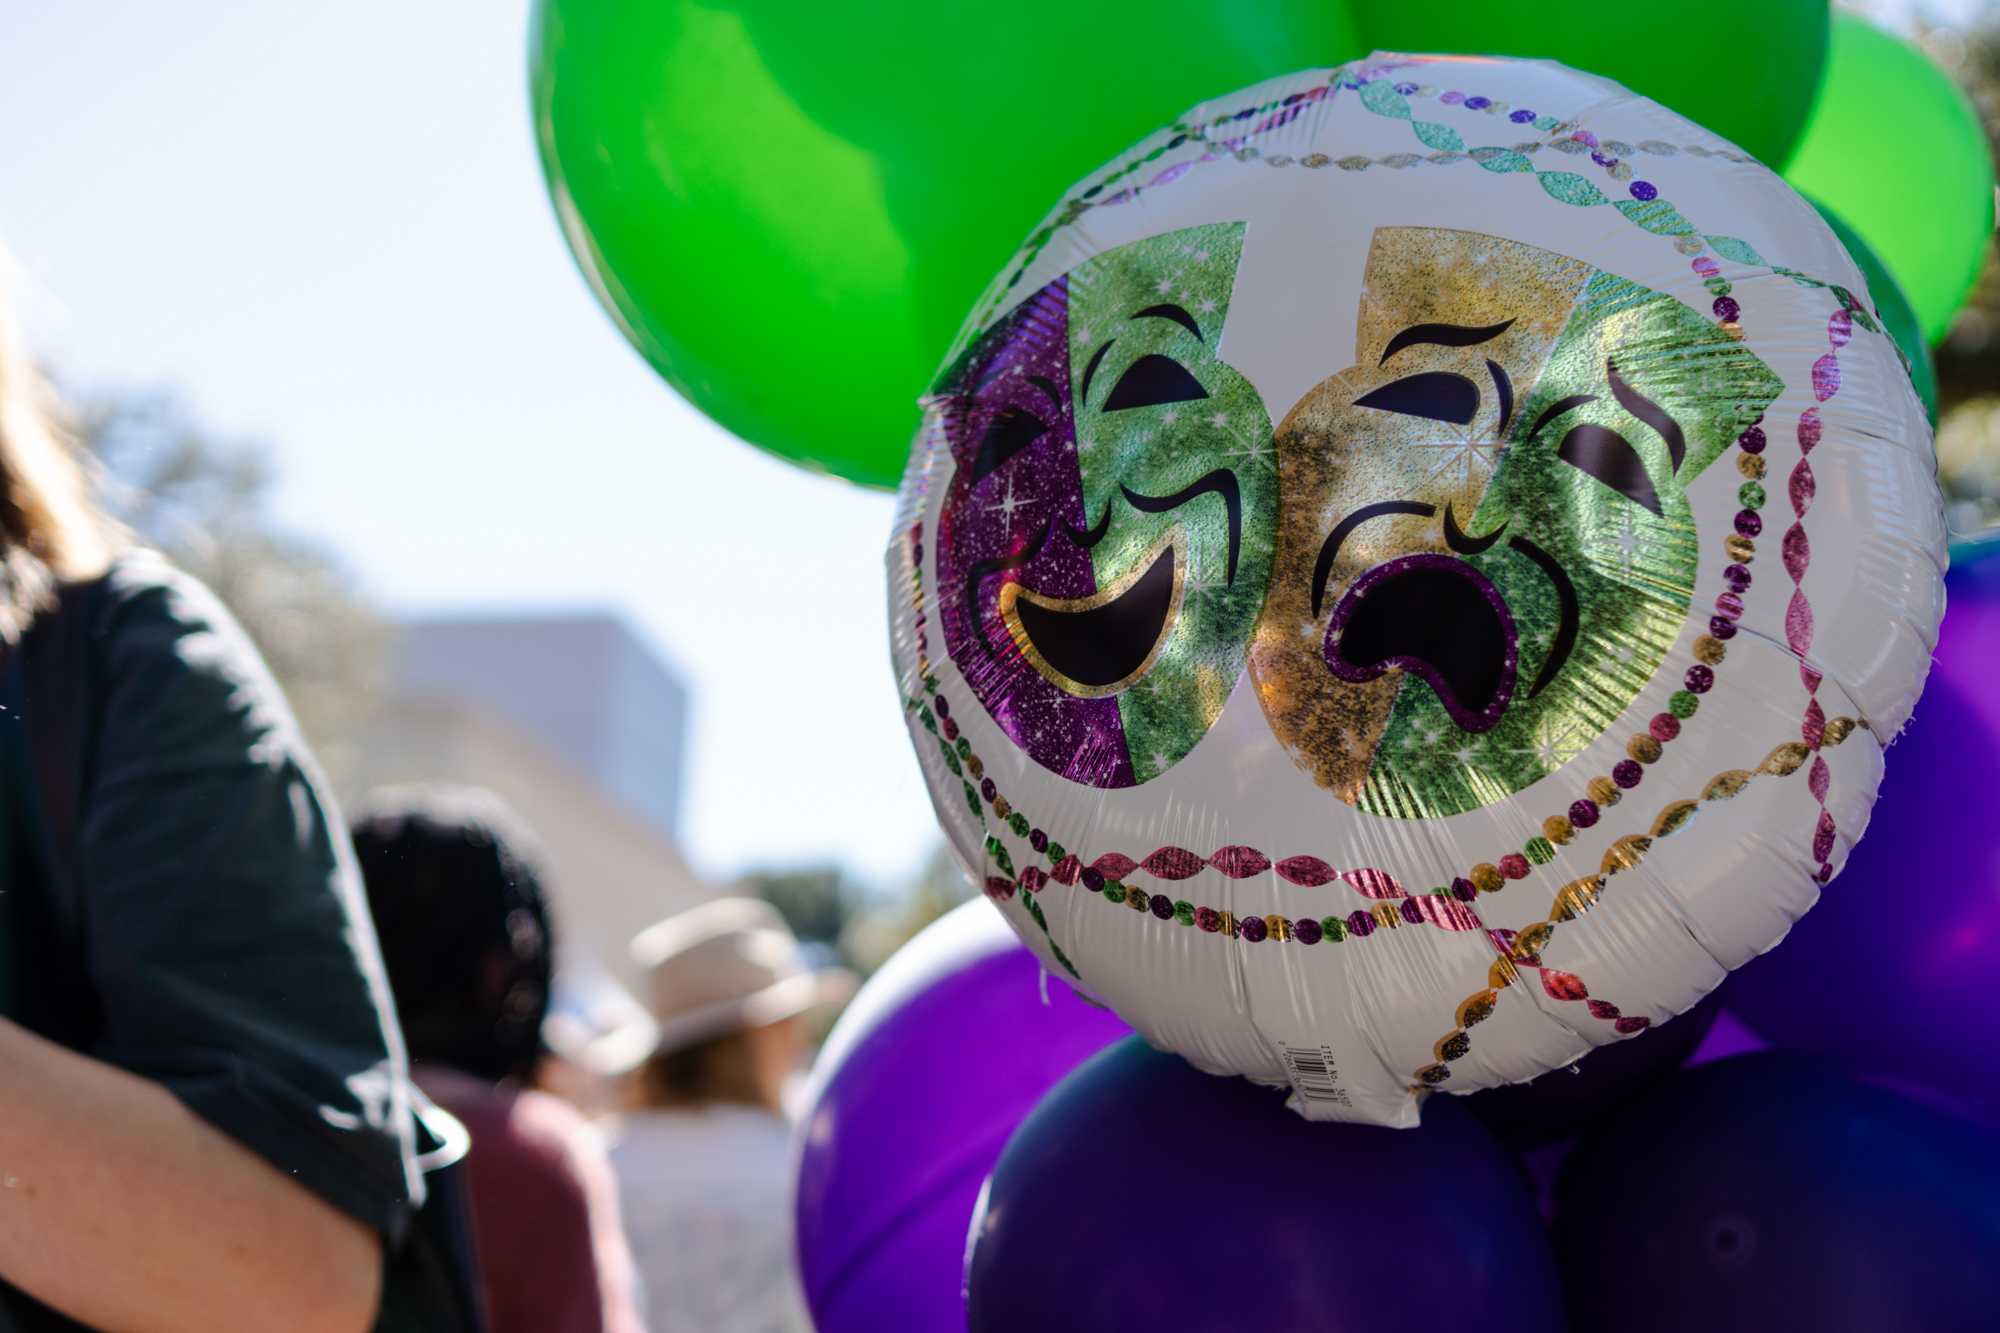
[[1484, 544]]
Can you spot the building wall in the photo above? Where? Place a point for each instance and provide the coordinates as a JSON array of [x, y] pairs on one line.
[[644, 737], [610, 871], [583, 685]]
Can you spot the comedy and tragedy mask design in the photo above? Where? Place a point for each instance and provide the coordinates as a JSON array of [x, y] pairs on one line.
[[1485, 545], [1105, 541]]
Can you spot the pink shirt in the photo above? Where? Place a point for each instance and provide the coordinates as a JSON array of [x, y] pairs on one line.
[[552, 1251]]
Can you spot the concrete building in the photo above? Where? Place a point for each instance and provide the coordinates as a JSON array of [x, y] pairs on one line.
[[575, 723], [582, 685]]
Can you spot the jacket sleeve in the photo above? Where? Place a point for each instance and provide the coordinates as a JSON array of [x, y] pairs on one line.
[[224, 928]]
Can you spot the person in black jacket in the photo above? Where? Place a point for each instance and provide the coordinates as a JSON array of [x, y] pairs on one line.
[[205, 1119]]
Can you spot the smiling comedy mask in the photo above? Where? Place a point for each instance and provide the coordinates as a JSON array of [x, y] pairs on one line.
[[1485, 545], [1106, 538]]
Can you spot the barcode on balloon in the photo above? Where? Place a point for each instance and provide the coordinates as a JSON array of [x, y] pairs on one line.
[[1313, 1075]]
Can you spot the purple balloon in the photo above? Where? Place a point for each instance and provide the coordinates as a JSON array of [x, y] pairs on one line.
[[1726, 1037], [1893, 972], [1567, 1101], [916, 1091], [1771, 1191], [1144, 1194]]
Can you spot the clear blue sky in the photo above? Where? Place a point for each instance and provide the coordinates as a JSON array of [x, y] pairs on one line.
[[326, 225]]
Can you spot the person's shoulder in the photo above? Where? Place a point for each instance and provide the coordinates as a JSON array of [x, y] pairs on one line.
[[166, 646], [532, 1130], [145, 594], [549, 1124], [139, 571]]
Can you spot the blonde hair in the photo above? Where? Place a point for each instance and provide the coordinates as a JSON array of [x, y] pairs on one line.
[[50, 529], [721, 1069]]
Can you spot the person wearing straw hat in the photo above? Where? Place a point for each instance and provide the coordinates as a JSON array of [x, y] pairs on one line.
[[703, 1158]]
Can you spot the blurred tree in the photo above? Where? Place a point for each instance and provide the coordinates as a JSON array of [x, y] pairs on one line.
[[885, 927], [857, 926], [1968, 362], [205, 502], [816, 901]]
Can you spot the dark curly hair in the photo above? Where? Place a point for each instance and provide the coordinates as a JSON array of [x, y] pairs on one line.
[[456, 893]]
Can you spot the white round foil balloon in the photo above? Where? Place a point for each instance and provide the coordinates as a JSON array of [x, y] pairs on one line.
[[1408, 574]]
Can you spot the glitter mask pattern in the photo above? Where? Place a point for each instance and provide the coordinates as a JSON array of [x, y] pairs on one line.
[[1105, 541]]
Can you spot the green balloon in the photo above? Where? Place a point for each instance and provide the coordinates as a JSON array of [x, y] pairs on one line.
[[1745, 69], [1892, 307], [1895, 148], [788, 208]]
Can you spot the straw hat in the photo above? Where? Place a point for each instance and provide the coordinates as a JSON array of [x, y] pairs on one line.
[[594, 1022], [722, 967]]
